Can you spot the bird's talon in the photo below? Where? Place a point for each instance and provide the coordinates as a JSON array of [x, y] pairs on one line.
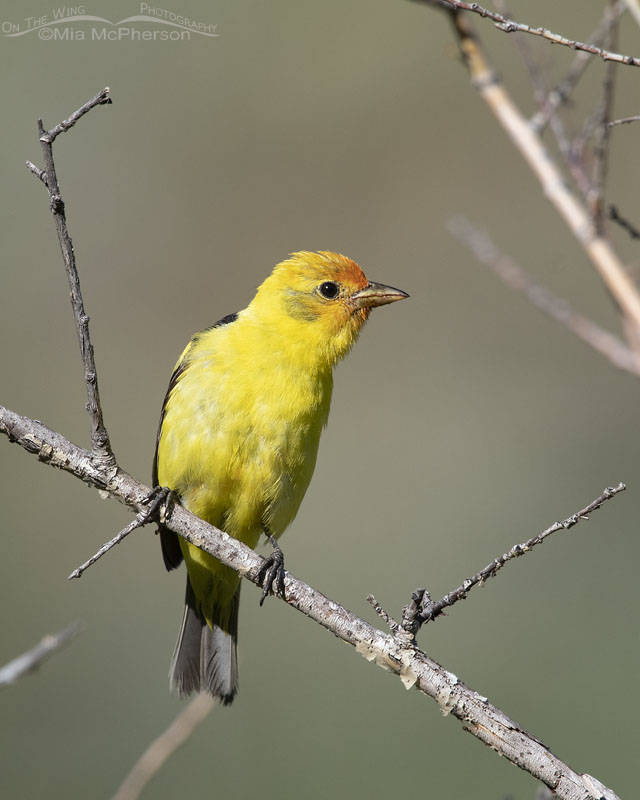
[[271, 573]]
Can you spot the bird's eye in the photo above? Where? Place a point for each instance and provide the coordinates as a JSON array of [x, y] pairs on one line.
[[329, 289]]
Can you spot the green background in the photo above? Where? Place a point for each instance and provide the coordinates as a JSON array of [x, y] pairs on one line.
[[462, 423]]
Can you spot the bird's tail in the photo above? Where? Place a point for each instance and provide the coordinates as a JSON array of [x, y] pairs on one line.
[[204, 659]]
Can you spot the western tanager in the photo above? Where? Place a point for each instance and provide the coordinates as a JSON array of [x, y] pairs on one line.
[[239, 434]]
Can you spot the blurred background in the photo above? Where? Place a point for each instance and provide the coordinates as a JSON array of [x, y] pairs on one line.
[[349, 127]]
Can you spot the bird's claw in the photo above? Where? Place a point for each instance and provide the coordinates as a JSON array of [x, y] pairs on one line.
[[271, 573], [159, 502]]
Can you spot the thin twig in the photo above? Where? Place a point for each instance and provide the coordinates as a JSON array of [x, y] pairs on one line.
[[614, 216], [624, 121], [415, 668], [162, 748], [32, 659], [101, 99], [391, 622], [517, 278], [434, 610], [510, 26], [100, 444], [156, 499]]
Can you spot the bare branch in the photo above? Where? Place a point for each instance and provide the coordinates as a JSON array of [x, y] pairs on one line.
[[433, 610], [510, 26], [100, 443], [153, 502], [32, 659], [624, 121], [603, 342], [162, 748], [101, 99], [392, 653]]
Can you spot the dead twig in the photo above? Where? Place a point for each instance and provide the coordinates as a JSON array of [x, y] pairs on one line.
[[421, 610], [100, 444], [510, 26]]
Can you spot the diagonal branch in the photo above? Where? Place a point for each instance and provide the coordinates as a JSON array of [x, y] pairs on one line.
[[414, 668], [428, 611], [100, 444], [32, 659], [601, 340], [162, 748], [510, 26]]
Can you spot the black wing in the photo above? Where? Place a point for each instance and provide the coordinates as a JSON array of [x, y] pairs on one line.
[[170, 541]]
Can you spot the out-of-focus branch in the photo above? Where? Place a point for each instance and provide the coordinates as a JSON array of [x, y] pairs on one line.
[[601, 340], [634, 8], [603, 131], [162, 748], [32, 659]]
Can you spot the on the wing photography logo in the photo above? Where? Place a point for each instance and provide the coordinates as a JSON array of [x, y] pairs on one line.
[[69, 24]]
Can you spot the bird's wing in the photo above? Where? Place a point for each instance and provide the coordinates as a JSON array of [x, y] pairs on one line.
[[170, 541]]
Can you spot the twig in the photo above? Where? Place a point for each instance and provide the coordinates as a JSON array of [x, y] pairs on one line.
[[162, 748], [601, 340], [614, 216], [415, 668], [155, 500], [32, 659], [510, 26], [624, 121], [433, 610], [599, 250], [100, 444]]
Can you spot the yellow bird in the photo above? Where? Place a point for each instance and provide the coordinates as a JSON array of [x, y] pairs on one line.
[[239, 434]]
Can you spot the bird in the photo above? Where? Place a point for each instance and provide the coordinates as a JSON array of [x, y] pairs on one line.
[[238, 439]]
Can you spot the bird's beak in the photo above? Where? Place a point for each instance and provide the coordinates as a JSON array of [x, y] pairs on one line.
[[376, 294]]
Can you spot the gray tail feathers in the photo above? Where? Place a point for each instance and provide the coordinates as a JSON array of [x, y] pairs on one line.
[[204, 659]]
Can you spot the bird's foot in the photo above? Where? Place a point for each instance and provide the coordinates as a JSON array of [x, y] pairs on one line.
[[159, 502], [271, 573]]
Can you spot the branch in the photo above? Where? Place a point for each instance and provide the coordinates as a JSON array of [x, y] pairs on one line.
[[599, 339], [424, 610], [531, 147], [32, 659], [413, 667], [624, 121], [162, 748], [510, 26], [100, 443]]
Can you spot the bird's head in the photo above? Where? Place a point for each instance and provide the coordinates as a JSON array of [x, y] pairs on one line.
[[321, 301]]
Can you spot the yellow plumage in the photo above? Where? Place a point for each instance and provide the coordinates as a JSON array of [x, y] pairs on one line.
[[239, 435]]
